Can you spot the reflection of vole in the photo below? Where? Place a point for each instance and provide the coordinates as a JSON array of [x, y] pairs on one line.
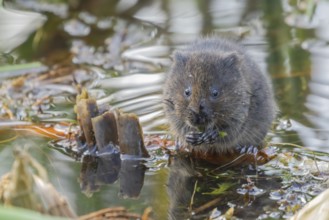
[[181, 184], [216, 98]]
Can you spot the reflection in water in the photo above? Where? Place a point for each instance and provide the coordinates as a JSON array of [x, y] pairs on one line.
[[299, 71], [156, 55], [59, 9], [16, 26], [131, 178], [317, 101], [76, 28], [139, 93], [135, 80], [195, 189], [181, 182], [290, 75], [97, 171], [106, 168]]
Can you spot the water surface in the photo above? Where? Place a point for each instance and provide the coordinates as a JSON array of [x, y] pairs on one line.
[[120, 51]]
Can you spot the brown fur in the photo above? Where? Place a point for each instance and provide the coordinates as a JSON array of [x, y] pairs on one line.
[[214, 87]]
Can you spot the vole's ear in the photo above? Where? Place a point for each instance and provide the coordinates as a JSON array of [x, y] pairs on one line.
[[231, 59], [179, 57]]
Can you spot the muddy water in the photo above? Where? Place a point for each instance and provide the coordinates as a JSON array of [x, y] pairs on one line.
[[120, 51]]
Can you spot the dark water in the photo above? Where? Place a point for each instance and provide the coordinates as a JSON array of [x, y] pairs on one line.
[[120, 51]]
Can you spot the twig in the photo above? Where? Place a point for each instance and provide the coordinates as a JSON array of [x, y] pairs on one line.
[[207, 205], [288, 144], [193, 194]]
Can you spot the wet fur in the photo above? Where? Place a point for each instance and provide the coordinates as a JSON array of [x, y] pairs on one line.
[[244, 108]]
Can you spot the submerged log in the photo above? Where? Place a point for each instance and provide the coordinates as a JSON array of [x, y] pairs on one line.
[[115, 131], [130, 135], [131, 176], [105, 130], [111, 128], [86, 109]]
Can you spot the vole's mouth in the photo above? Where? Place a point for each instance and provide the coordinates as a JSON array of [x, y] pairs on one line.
[[223, 127], [199, 127], [198, 121]]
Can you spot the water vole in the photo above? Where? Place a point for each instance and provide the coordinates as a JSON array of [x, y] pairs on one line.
[[216, 98]]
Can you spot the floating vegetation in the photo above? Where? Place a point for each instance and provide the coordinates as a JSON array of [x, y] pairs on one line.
[[31, 96], [286, 183]]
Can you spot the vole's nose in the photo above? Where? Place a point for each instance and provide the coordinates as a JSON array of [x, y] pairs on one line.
[[201, 107], [198, 117], [198, 107]]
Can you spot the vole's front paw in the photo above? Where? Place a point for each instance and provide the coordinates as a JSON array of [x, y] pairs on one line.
[[197, 138], [194, 138], [210, 136]]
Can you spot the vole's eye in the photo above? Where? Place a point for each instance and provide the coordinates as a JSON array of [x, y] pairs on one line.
[[187, 92], [214, 93]]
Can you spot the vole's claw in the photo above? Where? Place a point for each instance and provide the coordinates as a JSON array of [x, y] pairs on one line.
[[241, 150], [248, 150], [197, 138], [210, 136], [194, 138]]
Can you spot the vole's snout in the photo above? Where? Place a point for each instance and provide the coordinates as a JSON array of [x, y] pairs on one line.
[[198, 118]]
